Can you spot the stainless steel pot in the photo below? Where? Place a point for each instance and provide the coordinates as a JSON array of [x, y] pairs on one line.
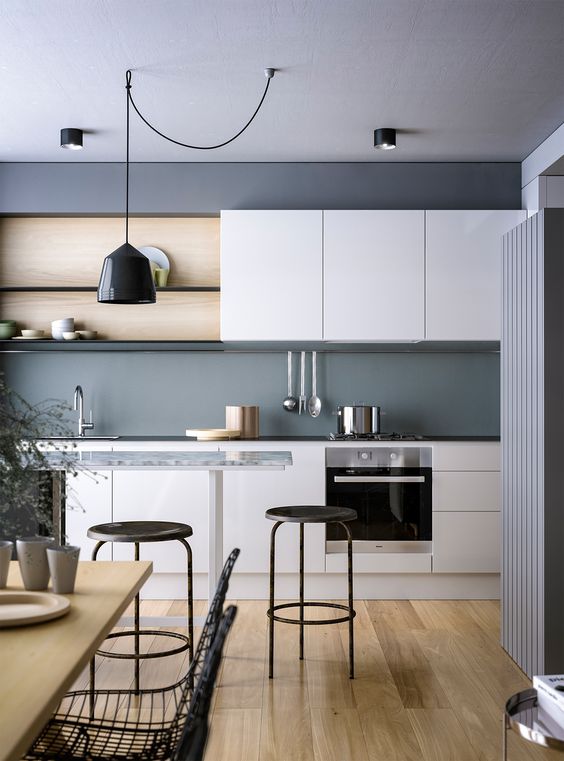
[[358, 418]]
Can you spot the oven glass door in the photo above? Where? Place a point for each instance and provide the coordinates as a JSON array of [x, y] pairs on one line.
[[393, 505]]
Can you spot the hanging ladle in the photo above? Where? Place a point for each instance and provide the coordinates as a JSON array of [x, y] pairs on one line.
[[314, 402], [290, 402]]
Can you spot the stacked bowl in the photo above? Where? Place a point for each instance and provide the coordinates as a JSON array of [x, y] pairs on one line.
[[58, 327], [7, 328]]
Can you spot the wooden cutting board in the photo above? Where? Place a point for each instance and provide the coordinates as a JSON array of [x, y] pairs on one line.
[[213, 434]]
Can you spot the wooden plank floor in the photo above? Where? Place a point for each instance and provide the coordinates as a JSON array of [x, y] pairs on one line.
[[431, 681]]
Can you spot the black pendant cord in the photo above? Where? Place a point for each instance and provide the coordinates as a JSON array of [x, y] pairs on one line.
[[128, 91], [269, 74]]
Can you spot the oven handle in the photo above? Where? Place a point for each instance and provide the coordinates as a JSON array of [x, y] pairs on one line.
[[380, 479]]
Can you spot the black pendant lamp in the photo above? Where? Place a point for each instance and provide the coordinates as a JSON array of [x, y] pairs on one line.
[[126, 273]]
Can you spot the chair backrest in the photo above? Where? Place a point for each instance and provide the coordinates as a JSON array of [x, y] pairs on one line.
[[216, 605], [186, 684], [194, 734]]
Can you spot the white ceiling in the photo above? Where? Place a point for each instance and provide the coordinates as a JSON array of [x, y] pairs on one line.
[[464, 80]]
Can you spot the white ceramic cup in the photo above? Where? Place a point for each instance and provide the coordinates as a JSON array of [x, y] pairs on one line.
[[63, 564], [32, 557], [6, 550]]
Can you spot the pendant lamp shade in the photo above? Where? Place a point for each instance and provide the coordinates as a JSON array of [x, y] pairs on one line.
[[126, 278]]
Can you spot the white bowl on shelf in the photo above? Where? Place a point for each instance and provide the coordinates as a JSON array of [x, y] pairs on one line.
[[70, 335], [58, 327], [29, 333]]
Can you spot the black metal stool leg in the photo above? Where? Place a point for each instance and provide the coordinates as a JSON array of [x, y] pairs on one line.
[[93, 660], [271, 607], [136, 627], [301, 591], [190, 598], [350, 590]]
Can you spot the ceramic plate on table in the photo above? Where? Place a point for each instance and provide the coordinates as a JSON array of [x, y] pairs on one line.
[[156, 255], [23, 608], [30, 338]]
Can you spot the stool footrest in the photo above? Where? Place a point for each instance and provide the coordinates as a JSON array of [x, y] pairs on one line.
[[312, 621], [146, 633]]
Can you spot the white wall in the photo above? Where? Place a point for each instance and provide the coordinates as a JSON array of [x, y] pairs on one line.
[[544, 192]]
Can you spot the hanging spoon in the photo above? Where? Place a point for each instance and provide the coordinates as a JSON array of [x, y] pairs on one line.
[[314, 402], [290, 402]]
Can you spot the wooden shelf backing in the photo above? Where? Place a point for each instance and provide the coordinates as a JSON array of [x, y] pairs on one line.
[[69, 251], [176, 316]]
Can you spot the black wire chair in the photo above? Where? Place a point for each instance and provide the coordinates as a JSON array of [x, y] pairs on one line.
[[195, 732], [124, 725]]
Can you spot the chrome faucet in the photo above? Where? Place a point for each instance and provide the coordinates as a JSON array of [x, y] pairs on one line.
[[78, 404]]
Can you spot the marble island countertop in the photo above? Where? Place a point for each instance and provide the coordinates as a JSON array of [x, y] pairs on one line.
[[201, 460], [136, 438]]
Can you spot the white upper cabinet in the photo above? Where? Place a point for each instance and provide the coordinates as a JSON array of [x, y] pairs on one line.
[[271, 275], [374, 270], [463, 277]]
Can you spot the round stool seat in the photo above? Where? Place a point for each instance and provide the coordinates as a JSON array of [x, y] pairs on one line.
[[311, 514], [139, 531]]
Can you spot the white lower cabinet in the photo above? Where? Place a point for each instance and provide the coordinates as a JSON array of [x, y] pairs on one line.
[[466, 507], [466, 517], [247, 495], [164, 495], [88, 502], [466, 542], [466, 491]]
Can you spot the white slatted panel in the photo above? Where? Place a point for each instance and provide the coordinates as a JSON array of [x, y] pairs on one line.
[[522, 437]]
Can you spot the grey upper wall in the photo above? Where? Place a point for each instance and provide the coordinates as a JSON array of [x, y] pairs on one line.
[[175, 188], [455, 394]]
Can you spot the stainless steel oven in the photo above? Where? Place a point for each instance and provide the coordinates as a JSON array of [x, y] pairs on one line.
[[390, 489]]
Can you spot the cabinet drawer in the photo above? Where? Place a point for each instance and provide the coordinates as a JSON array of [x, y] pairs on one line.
[[385, 562], [468, 491], [475, 456], [466, 542]]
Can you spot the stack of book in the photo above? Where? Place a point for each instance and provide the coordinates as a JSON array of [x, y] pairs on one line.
[[550, 700]]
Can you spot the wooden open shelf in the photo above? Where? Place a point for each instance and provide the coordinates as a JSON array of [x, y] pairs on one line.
[[48, 266], [175, 316]]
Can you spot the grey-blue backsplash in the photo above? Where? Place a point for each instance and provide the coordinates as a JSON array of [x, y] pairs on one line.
[[164, 393]]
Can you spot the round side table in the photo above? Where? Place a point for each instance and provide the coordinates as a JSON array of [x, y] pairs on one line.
[[521, 716]]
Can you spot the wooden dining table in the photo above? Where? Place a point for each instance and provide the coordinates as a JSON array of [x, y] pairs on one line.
[[40, 662]]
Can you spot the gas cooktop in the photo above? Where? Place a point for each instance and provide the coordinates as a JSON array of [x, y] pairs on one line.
[[376, 437]]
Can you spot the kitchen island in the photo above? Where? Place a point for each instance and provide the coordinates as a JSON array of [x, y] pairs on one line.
[[464, 562], [214, 462]]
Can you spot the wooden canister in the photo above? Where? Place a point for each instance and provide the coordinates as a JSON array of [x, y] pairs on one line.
[[243, 417]]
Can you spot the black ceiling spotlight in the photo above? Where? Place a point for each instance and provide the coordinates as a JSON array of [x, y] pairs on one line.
[[385, 139], [71, 138], [126, 273]]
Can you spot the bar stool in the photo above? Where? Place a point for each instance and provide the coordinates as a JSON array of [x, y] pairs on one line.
[[140, 532], [302, 515]]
